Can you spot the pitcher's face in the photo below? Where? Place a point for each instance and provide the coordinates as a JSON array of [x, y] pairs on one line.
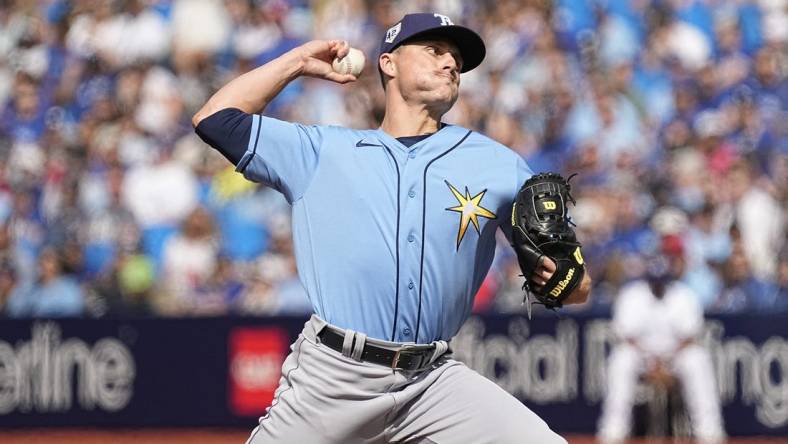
[[428, 71]]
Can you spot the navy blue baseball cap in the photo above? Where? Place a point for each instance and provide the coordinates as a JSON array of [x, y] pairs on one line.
[[469, 43]]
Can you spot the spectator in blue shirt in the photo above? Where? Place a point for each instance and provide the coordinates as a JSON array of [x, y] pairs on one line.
[[743, 291], [55, 294]]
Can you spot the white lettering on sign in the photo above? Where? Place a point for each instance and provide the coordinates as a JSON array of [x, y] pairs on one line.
[[43, 374], [544, 368], [253, 371]]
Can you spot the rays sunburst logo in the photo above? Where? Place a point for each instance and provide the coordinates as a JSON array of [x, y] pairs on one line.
[[470, 208]]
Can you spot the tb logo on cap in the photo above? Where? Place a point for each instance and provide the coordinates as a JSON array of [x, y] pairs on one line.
[[445, 21]]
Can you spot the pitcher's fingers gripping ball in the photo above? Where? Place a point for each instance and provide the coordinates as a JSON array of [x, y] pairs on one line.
[[541, 228], [352, 63]]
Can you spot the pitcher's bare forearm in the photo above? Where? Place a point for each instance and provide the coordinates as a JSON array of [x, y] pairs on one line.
[[251, 92], [225, 121], [582, 292]]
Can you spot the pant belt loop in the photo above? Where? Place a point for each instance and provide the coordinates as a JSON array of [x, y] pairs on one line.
[[347, 344], [317, 325], [358, 346], [440, 348]]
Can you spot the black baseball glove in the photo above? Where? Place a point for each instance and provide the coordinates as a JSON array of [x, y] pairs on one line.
[[540, 227]]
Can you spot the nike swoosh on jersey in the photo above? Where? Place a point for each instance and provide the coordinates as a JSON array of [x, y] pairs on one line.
[[361, 143]]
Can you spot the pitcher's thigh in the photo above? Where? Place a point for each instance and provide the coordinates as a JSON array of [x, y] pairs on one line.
[[321, 400], [463, 406]]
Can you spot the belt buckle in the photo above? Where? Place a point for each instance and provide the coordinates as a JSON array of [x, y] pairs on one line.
[[396, 359], [399, 352]]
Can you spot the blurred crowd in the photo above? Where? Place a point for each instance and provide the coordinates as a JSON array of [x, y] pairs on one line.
[[671, 112]]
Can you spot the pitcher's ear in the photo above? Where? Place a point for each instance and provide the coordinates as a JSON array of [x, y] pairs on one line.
[[387, 64]]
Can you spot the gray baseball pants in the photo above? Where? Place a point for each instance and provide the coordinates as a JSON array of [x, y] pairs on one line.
[[326, 397]]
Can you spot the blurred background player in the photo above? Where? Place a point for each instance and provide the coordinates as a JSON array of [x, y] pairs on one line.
[[658, 321]]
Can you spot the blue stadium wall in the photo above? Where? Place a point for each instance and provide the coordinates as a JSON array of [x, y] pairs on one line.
[[223, 371]]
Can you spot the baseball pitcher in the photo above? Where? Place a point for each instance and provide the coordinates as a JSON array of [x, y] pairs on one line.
[[394, 231]]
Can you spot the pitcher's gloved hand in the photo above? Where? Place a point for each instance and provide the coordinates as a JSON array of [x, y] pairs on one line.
[[541, 228]]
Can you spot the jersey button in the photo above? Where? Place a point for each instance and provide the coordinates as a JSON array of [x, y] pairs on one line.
[[410, 285], [411, 238], [406, 331], [412, 154], [411, 194]]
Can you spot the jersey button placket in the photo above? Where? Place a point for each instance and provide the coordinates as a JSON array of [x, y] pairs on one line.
[[410, 250]]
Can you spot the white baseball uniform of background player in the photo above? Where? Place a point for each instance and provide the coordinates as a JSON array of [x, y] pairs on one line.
[[659, 333]]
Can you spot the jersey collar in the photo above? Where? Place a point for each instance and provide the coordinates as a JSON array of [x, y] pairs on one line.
[[447, 133]]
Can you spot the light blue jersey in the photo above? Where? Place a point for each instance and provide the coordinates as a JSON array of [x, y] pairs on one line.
[[391, 241]]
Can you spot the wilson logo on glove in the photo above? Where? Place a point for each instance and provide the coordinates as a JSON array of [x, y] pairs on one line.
[[579, 256], [555, 292]]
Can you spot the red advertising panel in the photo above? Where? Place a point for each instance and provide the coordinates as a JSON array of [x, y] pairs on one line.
[[255, 364]]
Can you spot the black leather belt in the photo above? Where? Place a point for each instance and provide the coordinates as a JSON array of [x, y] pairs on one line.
[[405, 357]]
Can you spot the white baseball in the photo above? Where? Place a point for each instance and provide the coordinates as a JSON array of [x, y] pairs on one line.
[[352, 63]]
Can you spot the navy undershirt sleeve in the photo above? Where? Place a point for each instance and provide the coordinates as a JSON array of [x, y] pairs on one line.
[[228, 131]]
